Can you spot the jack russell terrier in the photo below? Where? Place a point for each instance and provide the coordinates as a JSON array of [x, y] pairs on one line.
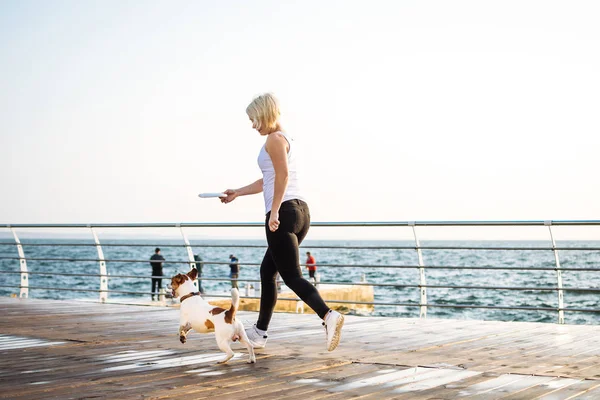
[[197, 314]]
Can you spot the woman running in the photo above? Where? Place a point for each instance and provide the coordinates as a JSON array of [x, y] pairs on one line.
[[286, 224]]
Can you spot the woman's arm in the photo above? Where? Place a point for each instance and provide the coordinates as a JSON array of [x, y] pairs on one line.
[[277, 146], [253, 188]]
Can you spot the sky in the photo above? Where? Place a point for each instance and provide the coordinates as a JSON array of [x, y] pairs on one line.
[[123, 111]]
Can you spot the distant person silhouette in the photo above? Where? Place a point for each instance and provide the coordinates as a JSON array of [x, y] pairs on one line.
[[199, 267], [234, 271], [311, 265], [157, 270]]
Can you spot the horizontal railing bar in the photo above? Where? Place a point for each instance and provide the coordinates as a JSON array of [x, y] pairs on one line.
[[458, 268], [131, 276], [93, 275], [227, 279], [208, 295], [504, 248], [512, 308], [94, 245], [523, 288], [485, 267], [311, 247], [314, 224], [403, 247], [112, 260], [82, 290], [123, 260]]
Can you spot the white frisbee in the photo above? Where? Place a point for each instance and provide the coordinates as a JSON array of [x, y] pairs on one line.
[[209, 195]]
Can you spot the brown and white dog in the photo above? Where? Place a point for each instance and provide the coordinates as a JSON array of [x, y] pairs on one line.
[[197, 314]]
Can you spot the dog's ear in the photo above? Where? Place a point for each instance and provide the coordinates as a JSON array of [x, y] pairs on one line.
[[177, 280], [193, 274]]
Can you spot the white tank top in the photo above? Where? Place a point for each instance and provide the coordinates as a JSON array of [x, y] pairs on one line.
[[266, 166]]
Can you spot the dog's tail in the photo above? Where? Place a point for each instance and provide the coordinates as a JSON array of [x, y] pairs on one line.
[[235, 303]]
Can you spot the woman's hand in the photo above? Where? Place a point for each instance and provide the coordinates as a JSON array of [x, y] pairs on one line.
[[231, 196], [274, 221]]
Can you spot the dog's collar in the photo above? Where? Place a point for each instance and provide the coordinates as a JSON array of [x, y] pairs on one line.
[[189, 295]]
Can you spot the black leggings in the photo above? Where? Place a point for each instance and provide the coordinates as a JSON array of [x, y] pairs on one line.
[[283, 256]]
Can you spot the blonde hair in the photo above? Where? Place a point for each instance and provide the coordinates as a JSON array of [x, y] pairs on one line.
[[264, 111]]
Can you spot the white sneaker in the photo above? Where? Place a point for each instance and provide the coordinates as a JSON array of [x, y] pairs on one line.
[[257, 340], [333, 329]]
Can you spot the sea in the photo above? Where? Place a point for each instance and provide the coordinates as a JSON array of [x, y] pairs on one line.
[[341, 253]]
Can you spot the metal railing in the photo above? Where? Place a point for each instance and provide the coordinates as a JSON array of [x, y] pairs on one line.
[[421, 266]]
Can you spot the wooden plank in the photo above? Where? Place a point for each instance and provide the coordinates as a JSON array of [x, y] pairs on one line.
[[528, 387], [560, 392], [591, 394], [310, 384], [482, 390], [446, 391], [249, 378], [270, 383]]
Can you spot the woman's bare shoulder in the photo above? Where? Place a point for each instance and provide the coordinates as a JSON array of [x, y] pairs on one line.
[[276, 139], [275, 136]]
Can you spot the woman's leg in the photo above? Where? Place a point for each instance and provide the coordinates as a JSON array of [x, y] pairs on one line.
[[294, 221], [268, 291]]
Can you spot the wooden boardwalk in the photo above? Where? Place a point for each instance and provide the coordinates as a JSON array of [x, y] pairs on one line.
[[76, 350]]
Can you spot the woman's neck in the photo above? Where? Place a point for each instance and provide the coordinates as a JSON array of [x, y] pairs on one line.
[[276, 129]]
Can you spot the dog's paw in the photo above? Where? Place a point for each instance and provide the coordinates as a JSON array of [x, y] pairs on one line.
[[224, 360], [182, 339], [251, 360]]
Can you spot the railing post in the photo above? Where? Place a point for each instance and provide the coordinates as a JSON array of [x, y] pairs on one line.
[[24, 285], [422, 281], [190, 253], [103, 274], [559, 283]]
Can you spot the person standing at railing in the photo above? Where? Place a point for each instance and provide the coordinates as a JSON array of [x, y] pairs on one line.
[[234, 271], [199, 266], [286, 224], [311, 265], [157, 270]]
